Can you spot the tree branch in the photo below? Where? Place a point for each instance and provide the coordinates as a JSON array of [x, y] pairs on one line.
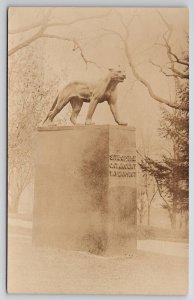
[[41, 34], [25, 28], [75, 43], [182, 62], [179, 74], [144, 81], [177, 60], [136, 73], [27, 42], [52, 24], [152, 198], [116, 33], [165, 201], [161, 70], [170, 54], [147, 84], [126, 26], [44, 24]]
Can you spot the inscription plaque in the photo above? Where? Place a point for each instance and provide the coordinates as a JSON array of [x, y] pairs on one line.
[[122, 165], [122, 169]]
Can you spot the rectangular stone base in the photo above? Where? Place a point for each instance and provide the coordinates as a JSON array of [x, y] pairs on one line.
[[85, 189]]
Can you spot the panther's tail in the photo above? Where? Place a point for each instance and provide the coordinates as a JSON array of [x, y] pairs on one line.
[[51, 109]]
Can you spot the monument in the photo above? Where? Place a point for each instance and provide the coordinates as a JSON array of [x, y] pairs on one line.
[[85, 189], [85, 180]]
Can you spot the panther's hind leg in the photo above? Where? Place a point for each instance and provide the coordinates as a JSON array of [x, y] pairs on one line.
[[52, 114], [76, 104], [61, 103]]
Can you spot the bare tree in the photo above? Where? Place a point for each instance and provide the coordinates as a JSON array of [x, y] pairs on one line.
[[41, 28], [148, 191], [173, 71], [28, 97], [141, 197]]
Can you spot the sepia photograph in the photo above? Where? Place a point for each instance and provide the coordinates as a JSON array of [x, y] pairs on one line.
[[98, 150]]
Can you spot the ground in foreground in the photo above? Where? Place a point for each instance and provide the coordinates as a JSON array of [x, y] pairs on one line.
[[35, 270]]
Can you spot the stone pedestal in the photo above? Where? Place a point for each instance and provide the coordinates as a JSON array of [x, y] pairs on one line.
[[85, 189]]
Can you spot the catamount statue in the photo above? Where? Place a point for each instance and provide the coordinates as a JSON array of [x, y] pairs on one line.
[[78, 92]]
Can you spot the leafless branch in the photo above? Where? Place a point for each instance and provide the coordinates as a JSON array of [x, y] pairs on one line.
[[152, 198], [44, 25], [27, 42], [173, 54], [161, 70], [76, 45], [160, 193], [136, 73], [53, 24], [41, 34], [182, 62], [123, 24], [25, 28], [170, 54], [116, 33], [146, 83], [179, 74]]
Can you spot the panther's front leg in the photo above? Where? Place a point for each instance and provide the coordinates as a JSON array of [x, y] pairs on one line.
[[76, 104], [91, 110], [89, 122]]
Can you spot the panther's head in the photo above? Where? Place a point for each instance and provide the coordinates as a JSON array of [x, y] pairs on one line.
[[118, 75]]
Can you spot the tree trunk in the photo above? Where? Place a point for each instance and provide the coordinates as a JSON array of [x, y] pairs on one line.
[[181, 220], [186, 215], [172, 214], [173, 223], [148, 219], [140, 219], [171, 217]]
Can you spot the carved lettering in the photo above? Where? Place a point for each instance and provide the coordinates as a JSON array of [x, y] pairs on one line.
[[122, 165]]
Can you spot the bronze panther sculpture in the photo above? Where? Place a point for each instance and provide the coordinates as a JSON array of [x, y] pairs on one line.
[[78, 92]]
